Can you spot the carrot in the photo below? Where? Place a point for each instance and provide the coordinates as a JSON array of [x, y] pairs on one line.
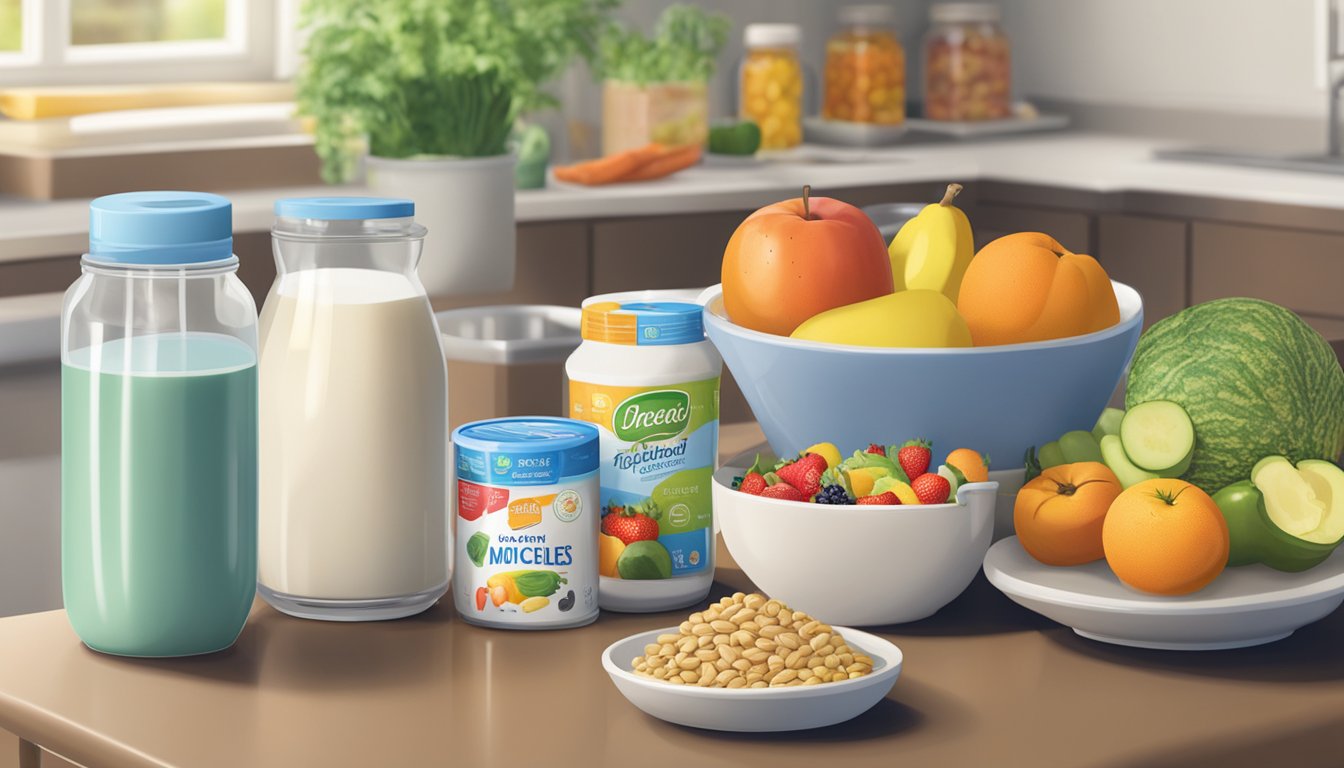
[[675, 160], [609, 169]]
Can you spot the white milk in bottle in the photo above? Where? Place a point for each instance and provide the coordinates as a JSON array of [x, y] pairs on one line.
[[353, 408]]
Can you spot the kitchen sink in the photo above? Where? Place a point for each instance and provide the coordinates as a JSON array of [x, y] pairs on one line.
[[1313, 163]]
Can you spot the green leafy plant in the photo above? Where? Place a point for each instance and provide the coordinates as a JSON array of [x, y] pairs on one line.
[[433, 77], [685, 44]]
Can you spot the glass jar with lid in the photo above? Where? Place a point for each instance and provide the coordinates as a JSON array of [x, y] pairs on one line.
[[771, 92], [967, 65], [353, 511], [865, 68], [159, 429]]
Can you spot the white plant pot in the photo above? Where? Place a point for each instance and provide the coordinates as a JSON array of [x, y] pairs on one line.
[[467, 206]]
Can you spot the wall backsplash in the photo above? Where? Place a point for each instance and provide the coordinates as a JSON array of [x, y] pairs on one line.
[[1226, 71], [581, 96]]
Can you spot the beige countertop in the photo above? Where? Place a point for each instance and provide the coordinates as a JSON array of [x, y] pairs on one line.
[[1088, 162], [984, 683]]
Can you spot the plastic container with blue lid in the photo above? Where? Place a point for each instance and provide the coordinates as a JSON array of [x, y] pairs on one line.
[[649, 381], [525, 518], [159, 422]]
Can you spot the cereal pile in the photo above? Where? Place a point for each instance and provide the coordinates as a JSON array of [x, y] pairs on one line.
[[748, 641]]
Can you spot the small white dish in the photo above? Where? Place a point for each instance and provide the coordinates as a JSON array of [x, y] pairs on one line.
[[1245, 606], [755, 710], [843, 133], [983, 129]]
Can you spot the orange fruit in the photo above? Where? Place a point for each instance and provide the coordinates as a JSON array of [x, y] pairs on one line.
[[609, 549], [1165, 536], [1027, 287], [972, 465], [1058, 514]]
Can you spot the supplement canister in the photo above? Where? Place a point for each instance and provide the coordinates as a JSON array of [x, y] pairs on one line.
[[649, 381], [525, 523]]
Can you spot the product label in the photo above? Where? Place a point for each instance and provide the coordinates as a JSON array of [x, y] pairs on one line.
[[527, 554], [526, 549], [658, 446]]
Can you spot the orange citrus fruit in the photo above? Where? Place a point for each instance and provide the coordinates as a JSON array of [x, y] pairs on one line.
[[1165, 536], [1058, 514], [972, 465]]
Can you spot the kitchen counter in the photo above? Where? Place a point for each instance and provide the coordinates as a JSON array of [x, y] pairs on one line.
[[984, 683], [1086, 162]]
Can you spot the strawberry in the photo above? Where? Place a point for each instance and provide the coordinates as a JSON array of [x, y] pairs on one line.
[[753, 484], [783, 491], [914, 457], [877, 449], [804, 474], [931, 488], [887, 497], [637, 522], [481, 594]]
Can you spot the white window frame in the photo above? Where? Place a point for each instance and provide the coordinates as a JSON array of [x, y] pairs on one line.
[[257, 45]]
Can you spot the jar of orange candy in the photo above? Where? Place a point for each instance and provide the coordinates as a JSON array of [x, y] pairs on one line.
[[865, 68], [772, 84], [967, 66]]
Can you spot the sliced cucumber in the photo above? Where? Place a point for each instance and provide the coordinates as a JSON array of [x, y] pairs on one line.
[[955, 479], [1051, 455], [1158, 436], [1079, 445], [1108, 423], [1113, 453]]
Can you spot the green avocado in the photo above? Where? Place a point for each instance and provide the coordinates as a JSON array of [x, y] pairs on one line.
[[645, 560], [1289, 518]]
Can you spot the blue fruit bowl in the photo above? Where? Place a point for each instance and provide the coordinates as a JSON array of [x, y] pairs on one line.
[[997, 400]]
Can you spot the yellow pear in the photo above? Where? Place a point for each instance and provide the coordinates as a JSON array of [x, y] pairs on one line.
[[933, 249], [920, 318]]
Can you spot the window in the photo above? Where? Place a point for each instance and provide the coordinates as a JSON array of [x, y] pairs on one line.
[[121, 41]]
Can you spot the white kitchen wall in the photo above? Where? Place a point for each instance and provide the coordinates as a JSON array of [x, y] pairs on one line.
[[1239, 56]]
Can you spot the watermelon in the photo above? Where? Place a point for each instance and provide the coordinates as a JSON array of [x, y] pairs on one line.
[[1256, 380]]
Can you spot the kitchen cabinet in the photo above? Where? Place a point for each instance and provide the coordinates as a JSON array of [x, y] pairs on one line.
[[681, 251], [1301, 270], [990, 221], [1149, 254], [552, 268]]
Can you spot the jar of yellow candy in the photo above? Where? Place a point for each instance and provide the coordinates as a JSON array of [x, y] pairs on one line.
[[772, 84], [865, 68]]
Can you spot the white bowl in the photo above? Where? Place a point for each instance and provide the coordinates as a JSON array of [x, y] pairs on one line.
[[1244, 606], [1010, 482], [856, 565], [755, 709]]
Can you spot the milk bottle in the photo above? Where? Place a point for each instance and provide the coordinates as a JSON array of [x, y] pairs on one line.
[[353, 402]]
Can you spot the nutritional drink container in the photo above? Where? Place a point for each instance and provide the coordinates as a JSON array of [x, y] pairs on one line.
[[159, 430]]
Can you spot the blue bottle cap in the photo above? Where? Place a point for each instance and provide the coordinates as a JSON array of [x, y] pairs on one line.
[[644, 323], [160, 228], [344, 208]]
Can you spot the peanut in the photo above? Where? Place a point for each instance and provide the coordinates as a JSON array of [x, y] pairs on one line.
[[748, 641]]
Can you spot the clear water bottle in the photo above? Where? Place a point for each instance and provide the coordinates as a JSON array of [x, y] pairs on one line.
[[353, 416], [159, 430]]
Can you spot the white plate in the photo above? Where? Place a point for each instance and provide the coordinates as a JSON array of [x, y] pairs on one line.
[[980, 129], [850, 134], [1244, 606], [755, 710]]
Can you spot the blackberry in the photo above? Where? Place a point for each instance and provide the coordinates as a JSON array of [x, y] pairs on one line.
[[832, 494]]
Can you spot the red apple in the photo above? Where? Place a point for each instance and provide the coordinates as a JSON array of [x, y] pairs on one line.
[[798, 258]]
